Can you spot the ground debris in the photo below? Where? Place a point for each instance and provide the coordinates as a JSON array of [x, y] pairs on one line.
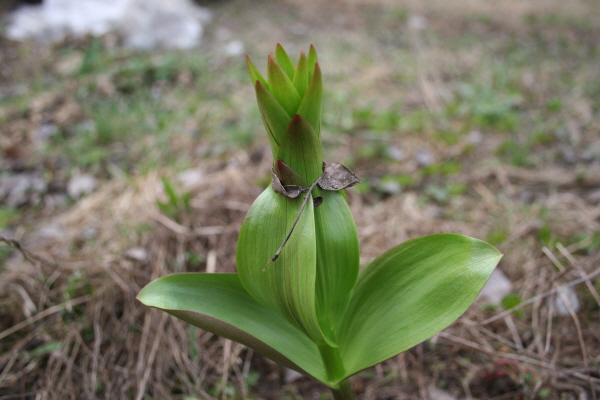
[[17, 189]]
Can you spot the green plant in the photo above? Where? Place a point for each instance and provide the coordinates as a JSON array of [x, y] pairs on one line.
[[298, 297], [177, 204]]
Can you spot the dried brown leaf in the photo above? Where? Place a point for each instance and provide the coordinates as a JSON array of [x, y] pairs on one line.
[[337, 177]]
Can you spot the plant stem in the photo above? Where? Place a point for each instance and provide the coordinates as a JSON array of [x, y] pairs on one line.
[[344, 391], [335, 371], [333, 362]]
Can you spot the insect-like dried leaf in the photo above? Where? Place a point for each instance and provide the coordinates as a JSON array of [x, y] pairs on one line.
[[337, 177], [291, 191], [287, 175]]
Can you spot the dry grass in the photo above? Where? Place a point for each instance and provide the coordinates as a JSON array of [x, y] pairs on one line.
[[109, 346], [70, 327], [109, 343]]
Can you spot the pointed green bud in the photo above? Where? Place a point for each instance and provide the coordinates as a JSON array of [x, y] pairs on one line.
[[274, 117], [254, 74], [310, 108], [282, 88], [312, 60], [284, 61], [288, 91], [301, 75]]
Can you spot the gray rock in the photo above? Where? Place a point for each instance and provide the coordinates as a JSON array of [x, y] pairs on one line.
[[424, 158], [89, 233], [395, 153], [44, 133], [19, 189], [591, 152]]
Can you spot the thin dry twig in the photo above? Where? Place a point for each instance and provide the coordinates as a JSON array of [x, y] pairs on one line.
[[576, 265], [226, 367], [510, 356], [306, 197], [540, 296], [47, 312], [29, 256], [150, 361], [185, 231]]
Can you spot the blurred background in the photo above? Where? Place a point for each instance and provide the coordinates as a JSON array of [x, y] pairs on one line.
[[131, 147]]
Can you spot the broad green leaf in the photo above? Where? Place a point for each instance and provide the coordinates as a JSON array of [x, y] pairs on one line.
[[410, 293], [300, 148], [301, 75], [254, 74], [286, 285], [310, 108], [282, 88], [284, 61], [274, 116], [337, 255], [219, 304]]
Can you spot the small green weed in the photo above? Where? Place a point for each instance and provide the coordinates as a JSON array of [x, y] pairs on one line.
[[497, 236], [44, 349], [513, 300], [7, 216], [194, 259], [487, 107], [449, 167], [177, 205], [516, 153]]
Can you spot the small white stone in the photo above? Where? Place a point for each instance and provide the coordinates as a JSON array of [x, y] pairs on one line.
[[19, 189], [395, 153], [137, 254], [191, 178], [234, 48], [389, 187], [52, 231], [88, 233], [45, 132], [417, 22], [496, 288], [292, 376], [439, 394], [475, 137], [566, 300], [80, 185], [424, 158]]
